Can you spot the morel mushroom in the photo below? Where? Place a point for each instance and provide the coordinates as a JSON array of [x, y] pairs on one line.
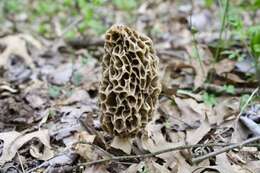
[[130, 85]]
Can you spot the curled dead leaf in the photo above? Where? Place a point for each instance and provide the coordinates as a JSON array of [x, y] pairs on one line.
[[14, 140]]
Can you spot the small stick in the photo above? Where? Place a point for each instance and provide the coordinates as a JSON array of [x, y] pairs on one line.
[[219, 89], [251, 125], [70, 26], [21, 163], [118, 158], [227, 148], [247, 102]]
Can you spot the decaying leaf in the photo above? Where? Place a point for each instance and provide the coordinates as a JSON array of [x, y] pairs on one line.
[[148, 166], [154, 140], [16, 45], [123, 144], [195, 135], [226, 109], [224, 66], [61, 75], [85, 150], [14, 140], [96, 168], [192, 113]]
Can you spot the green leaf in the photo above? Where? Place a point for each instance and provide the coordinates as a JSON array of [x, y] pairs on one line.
[[43, 28], [54, 91], [209, 99], [229, 89], [257, 4], [257, 48], [243, 100], [68, 3], [167, 124], [255, 41], [77, 78], [126, 5], [208, 3], [97, 26], [12, 6], [70, 34], [52, 113]]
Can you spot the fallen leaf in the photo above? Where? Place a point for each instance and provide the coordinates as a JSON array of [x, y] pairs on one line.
[[14, 140], [223, 162], [61, 75], [154, 140], [254, 166], [148, 166], [77, 96], [192, 113], [85, 150], [234, 78], [96, 168], [202, 20], [200, 57], [226, 109], [123, 144], [15, 45], [224, 66], [246, 66], [195, 135]]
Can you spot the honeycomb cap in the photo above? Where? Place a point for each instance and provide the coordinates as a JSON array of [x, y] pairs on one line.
[[130, 86]]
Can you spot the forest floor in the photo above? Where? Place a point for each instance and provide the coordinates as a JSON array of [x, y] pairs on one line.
[[208, 113]]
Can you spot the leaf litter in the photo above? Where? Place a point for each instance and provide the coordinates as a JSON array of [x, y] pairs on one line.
[[50, 119]]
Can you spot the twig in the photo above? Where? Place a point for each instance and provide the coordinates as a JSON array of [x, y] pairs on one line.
[[223, 22], [85, 42], [247, 102], [251, 125], [219, 89], [127, 157], [70, 26], [21, 163], [227, 148], [168, 92], [197, 53]]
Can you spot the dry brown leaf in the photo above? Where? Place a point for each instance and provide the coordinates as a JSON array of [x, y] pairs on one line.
[[183, 93], [240, 132], [192, 112], [195, 135], [16, 45], [14, 140], [36, 152], [224, 66], [157, 168], [223, 162], [61, 75], [123, 144], [135, 168], [201, 73], [254, 166], [235, 78], [77, 96], [155, 141], [8, 138], [226, 108], [183, 166], [148, 166], [96, 169], [85, 150], [199, 62]]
